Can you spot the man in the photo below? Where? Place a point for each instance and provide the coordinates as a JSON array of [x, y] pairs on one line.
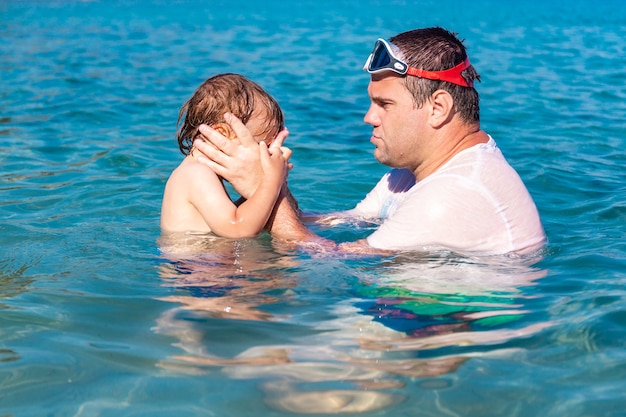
[[450, 187]]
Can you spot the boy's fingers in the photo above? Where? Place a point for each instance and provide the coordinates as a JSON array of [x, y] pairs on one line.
[[286, 152], [264, 153], [280, 138]]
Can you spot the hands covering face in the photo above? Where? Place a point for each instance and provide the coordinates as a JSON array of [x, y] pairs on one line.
[[239, 160]]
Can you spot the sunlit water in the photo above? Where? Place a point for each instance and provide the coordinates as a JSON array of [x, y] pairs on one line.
[[101, 317]]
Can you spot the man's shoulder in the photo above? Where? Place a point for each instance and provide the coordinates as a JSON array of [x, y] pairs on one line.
[[399, 179], [473, 163]]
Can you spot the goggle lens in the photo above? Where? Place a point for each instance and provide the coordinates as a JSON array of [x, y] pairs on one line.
[[380, 57]]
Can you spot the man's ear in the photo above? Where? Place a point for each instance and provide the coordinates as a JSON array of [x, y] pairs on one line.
[[442, 108], [225, 129]]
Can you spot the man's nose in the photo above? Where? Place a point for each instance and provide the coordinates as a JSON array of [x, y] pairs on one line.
[[371, 118]]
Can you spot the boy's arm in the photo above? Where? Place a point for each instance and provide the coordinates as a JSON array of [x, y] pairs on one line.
[[224, 218]]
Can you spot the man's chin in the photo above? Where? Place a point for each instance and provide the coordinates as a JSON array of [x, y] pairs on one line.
[[380, 157]]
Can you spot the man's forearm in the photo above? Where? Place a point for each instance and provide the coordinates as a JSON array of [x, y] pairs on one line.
[[285, 224]]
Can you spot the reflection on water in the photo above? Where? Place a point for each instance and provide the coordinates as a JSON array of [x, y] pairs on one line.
[[244, 310], [224, 278], [13, 279]]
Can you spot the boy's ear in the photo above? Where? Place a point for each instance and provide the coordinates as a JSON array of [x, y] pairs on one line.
[[225, 129]]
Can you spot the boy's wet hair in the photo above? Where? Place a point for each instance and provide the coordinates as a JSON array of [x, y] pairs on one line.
[[223, 93]]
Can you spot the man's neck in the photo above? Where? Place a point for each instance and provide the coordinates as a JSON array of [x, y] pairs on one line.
[[449, 143]]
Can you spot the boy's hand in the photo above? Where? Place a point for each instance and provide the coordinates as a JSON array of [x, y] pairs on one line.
[[278, 145], [275, 166]]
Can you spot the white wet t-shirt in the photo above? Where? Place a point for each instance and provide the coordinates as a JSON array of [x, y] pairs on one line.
[[475, 202]]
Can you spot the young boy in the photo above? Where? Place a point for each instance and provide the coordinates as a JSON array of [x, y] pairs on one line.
[[195, 199]]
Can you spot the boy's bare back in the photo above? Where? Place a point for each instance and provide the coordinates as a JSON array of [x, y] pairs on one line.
[[193, 189]]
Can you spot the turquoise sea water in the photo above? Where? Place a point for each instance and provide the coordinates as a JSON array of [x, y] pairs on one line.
[[95, 321]]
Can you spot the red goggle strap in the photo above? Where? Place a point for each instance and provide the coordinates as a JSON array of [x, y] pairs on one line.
[[452, 75]]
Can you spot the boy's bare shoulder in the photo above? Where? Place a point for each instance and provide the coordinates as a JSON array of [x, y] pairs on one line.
[[190, 167], [194, 177]]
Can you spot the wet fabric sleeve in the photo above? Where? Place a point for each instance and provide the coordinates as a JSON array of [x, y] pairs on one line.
[[370, 206], [386, 196]]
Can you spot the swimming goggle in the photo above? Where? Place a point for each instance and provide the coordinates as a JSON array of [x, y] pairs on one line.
[[383, 59]]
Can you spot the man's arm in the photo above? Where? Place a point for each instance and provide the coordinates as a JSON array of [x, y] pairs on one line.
[[285, 225]]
